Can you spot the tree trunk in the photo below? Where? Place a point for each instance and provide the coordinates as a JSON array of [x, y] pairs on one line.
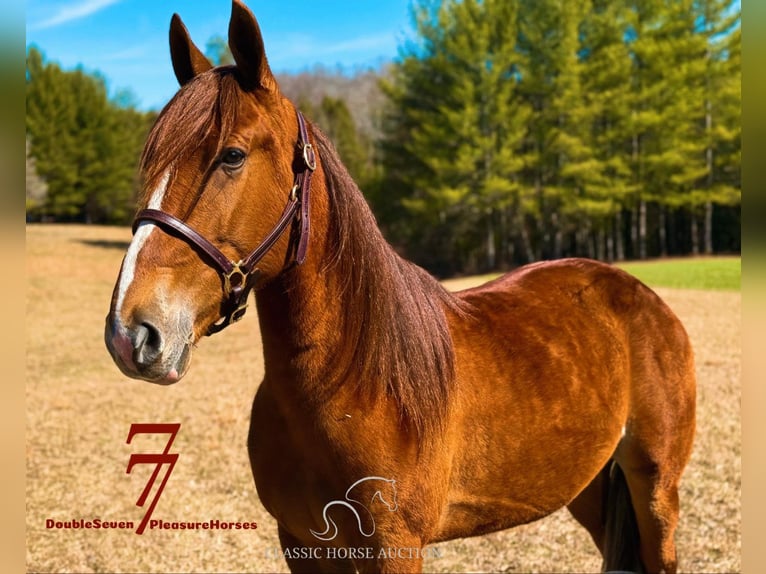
[[708, 224], [587, 239], [526, 243], [610, 243], [642, 229], [634, 232], [695, 235], [618, 237], [504, 248], [600, 238], [663, 232], [708, 231], [558, 237], [490, 241]]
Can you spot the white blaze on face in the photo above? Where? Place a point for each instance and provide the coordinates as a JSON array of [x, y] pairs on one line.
[[143, 231]]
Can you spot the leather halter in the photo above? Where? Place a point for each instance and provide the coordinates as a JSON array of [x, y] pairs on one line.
[[239, 278]]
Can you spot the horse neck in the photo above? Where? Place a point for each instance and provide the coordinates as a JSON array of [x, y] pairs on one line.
[[354, 315], [303, 313], [299, 312]]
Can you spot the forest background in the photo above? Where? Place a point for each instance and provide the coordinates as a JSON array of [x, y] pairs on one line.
[[504, 133]]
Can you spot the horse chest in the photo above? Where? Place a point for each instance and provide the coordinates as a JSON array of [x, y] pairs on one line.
[[298, 467], [285, 474]]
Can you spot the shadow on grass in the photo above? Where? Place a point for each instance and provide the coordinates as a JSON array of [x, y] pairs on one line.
[[105, 243]]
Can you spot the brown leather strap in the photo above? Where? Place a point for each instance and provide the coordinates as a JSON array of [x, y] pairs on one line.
[[187, 232], [224, 264], [303, 181]]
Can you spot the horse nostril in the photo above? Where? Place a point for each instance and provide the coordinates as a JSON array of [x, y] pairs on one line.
[[147, 344]]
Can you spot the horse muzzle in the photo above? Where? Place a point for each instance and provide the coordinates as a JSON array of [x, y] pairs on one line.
[[149, 351]]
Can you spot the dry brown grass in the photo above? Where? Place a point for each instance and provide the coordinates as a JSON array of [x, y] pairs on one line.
[[79, 410]]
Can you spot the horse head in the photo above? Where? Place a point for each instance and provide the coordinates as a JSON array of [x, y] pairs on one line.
[[219, 167]]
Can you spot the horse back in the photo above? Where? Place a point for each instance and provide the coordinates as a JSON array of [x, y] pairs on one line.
[[578, 314], [555, 293]]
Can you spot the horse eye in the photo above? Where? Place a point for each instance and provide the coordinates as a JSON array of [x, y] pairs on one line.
[[233, 157]]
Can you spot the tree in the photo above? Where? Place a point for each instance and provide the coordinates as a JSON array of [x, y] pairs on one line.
[[218, 52], [454, 141], [600, 170], [671, 133], [548, 85], [37, 190], [719, 23], [86, 147], [339, 126]]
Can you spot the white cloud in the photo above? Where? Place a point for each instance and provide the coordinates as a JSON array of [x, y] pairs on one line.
[[74, 11]]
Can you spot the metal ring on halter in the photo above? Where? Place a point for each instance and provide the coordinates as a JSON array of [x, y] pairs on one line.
[[309, 157], [236, 270]]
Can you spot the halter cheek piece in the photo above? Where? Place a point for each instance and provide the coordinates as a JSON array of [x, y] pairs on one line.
[[239, 278]]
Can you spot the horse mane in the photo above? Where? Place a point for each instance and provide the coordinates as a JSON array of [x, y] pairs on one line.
[[394, 310]]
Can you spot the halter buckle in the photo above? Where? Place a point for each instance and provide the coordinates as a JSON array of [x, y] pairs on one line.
[[228, 285], [309, 157]]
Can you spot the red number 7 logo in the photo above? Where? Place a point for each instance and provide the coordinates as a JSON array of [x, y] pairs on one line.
[[158, 459]]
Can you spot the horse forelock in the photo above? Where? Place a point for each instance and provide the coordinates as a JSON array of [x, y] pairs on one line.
[[206, 107]]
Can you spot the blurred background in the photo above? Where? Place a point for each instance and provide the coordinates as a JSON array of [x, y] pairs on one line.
[[484, 134]]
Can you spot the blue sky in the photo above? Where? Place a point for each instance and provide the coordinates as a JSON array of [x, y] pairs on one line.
[[127, 40]]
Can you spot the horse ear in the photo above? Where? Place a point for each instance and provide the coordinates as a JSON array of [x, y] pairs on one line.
[[187, 59], [246, 44]]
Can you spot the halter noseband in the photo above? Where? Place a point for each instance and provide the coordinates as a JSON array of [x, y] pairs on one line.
[[239, 278]]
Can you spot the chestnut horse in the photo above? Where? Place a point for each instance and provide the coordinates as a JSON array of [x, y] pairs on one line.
[[565, 383]]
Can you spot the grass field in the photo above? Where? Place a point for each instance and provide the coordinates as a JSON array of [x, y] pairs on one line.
[[708, 273], [79, 410], [719, 273]]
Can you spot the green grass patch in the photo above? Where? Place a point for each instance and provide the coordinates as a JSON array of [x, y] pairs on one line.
[[706, 273], [714, 273]]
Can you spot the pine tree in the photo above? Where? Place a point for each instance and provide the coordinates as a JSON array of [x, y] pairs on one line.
[[650, 45], [461, 122], [86, 147], [668, 155], [719, 24], [339, 126], [607, 108], [564, 173], [605, 88], [37, 189], [680, 163]]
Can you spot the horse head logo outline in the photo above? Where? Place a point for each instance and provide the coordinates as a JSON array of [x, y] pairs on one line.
[[331, 528]]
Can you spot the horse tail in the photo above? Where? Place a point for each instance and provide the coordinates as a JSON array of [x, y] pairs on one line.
[[621, 546]]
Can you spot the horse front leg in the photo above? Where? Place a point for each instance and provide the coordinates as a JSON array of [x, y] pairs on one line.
[[402, 553], [299, 560]]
